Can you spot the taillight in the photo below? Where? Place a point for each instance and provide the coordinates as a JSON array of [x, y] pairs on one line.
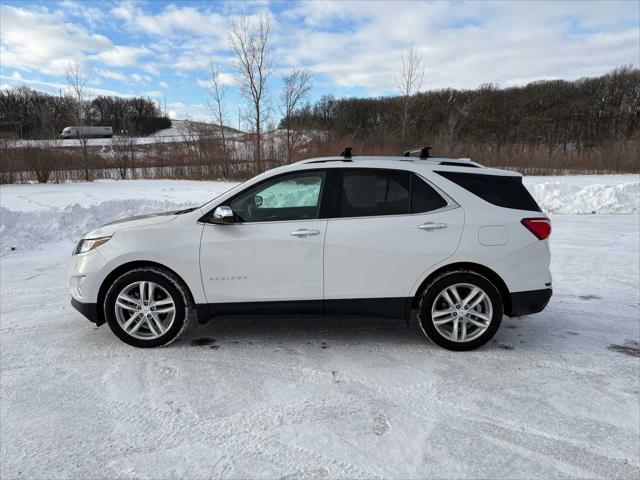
[[540, 227]]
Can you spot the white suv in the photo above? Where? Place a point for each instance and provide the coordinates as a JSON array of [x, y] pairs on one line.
[[380, 236]]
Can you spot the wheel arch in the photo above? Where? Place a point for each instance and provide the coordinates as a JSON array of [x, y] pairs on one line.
[[126, 267], [492, 276]]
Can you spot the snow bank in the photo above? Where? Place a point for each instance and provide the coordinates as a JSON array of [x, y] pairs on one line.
[[586, 194], [36, 197], [33, 215], [26, 229], [36, 214]]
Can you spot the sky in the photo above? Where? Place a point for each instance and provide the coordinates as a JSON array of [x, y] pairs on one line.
[[162, 49]]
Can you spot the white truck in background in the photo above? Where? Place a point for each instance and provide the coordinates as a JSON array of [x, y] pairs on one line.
[[86, 132]]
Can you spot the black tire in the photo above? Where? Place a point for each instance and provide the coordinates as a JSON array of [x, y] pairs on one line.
[[184, 308], [429, 296]]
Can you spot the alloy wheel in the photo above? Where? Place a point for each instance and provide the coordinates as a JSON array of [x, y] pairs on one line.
[[145, 310], [461, 312]]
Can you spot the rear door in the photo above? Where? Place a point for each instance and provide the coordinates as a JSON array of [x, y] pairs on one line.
[[387, 228]]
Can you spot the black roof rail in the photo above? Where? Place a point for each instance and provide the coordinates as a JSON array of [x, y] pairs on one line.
[[329, 160], [424, 152], [346, 153], [458, 164]]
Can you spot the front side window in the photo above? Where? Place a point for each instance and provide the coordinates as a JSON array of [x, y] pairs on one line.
[[294, 197]]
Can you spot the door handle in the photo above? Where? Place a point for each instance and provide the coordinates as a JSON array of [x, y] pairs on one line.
[[304, 232], [432, 226]]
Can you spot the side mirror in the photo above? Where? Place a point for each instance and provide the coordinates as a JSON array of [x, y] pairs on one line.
[[257, 200], [223, 215]]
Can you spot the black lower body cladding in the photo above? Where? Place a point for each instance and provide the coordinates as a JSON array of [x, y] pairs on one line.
[[529, 302], [89, 310]]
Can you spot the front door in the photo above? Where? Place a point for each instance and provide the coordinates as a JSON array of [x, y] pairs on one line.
[[270, 258]]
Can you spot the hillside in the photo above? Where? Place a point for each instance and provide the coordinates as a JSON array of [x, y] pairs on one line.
[[583, 124]]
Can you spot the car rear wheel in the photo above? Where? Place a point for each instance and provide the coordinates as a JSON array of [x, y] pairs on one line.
[[147, 307], [460, 310]]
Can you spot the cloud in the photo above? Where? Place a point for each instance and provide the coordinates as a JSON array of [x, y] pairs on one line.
[[122, 55], [186, 111], [91, 15], [464, 44], [226, 79], [151, 68], [136, 77], [122, 77], [186, 38], [112, 74], [173, 20], [59, 87], [196, 54], [42, 41], [163, 85]]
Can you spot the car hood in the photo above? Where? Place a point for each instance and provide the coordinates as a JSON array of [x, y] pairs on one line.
[[134, 222]]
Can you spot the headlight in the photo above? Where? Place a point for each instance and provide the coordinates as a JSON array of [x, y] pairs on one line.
[[87, 244]]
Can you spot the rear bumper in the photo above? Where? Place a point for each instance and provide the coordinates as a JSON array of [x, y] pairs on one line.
[[89, 310], [526, 303]]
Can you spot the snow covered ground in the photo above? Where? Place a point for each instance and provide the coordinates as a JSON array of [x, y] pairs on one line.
[[554, 395], [95, 142]]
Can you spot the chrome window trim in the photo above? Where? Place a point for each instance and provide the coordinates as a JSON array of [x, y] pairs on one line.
[[439, 210], [451, 203]]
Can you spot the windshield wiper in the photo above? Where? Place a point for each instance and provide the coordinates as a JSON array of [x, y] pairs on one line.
[[186, 210]]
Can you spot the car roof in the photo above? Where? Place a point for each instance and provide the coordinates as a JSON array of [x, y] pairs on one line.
[[416, 164]]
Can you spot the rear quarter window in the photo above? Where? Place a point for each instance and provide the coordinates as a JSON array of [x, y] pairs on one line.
[[503, 191], [423, 197]]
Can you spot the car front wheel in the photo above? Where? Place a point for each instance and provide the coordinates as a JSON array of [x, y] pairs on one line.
[[460, 310], [147, 307]]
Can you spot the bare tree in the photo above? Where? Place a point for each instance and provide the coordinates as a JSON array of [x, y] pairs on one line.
[[42, 160], [123, 155], [217, 93], [295, 88], [76, 83], [409, 80], [250, 41]]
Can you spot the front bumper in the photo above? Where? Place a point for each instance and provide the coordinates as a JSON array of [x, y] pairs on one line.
[[527, 303], [89, 310]]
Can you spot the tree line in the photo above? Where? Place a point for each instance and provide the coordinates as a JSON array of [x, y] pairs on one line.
[[31, 114], [552, 117]]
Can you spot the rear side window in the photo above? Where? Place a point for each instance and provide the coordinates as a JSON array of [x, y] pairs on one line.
[[423, 197], [365, 193], [370, 192], [508, 192]]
